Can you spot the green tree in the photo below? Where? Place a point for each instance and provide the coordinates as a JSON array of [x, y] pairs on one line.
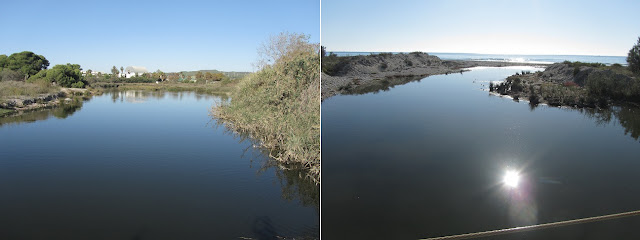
[[3, 61], [634, 58], [121, 71], [27, 63], [69, 75], [114, 71], [89, 73]]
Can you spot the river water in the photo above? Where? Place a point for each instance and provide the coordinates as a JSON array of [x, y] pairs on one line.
[[516, 58], [144, 165], [429, 158]]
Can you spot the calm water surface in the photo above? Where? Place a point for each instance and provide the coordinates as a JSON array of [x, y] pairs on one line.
[[428, 158], [142, 165]]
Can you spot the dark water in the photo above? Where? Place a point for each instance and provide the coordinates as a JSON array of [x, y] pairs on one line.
[[540, 59], [428, 158], [143, 165]]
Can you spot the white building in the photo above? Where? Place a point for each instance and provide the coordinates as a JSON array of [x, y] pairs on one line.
[[131, 71]]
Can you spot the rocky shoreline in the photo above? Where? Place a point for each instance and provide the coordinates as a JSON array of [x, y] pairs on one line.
[[20, 104], [576, 85], [361, 74]]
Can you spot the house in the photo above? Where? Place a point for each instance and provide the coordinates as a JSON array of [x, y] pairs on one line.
[[132, 71]]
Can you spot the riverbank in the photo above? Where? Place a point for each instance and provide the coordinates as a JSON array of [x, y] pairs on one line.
[[17, 104], [279, 106], [28, 97], [573, 84], [368, 73]]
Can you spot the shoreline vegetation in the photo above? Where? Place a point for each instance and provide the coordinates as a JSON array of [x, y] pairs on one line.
[[26, 84], [573, 84], [279, 105], [578, 84], [375, 72]]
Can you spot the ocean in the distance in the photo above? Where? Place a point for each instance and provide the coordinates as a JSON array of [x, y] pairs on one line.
[[515, 58]]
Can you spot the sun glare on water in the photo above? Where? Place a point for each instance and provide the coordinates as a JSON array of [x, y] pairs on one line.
[[511, 179]]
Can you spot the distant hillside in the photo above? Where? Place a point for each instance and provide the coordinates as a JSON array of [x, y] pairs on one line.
[[231, 75]]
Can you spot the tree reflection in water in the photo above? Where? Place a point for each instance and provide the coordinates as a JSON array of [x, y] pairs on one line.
[[295, 181], [627, 115]]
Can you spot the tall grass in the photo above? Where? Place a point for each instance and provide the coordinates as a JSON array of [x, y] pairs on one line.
[[17, 89], [279, 105]]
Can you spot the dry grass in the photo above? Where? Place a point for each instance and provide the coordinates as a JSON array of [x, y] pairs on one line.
[[279, 107], [16, 89]]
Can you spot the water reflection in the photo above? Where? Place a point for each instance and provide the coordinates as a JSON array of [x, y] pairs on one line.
[[627, 116], [65, 109], [296, 182], [356, 88], [519, 198], [511, 178], [141, 96]]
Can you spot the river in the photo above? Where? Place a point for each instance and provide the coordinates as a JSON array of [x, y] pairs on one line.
[[144, 165], [437, 156]]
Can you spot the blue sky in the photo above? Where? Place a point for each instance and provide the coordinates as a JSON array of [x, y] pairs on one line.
[[173, 36], [490, 26]]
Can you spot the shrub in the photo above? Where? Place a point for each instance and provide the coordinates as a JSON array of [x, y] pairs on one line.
[[64, 75], [614, 85], [279, 105]]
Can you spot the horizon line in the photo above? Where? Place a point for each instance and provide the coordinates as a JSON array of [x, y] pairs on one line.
[[483, 53]]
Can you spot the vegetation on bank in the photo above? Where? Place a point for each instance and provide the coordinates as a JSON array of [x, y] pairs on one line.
[[582, 85], [17, 89], [24, 75], [279, 106]]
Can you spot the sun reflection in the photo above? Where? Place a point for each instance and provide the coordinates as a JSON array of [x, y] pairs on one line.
[[511, 179]]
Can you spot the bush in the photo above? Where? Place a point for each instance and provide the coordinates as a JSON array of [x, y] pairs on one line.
[[614, 85], [64, 75], [279, 106]]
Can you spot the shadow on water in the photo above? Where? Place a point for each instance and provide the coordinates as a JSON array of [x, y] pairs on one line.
[[64, 110], [297, 184]]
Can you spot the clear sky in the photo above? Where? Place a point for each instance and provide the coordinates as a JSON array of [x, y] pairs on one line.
[[170, 36], [489, 26]]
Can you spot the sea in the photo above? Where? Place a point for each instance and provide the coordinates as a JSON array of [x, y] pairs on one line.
[[535, 59]]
